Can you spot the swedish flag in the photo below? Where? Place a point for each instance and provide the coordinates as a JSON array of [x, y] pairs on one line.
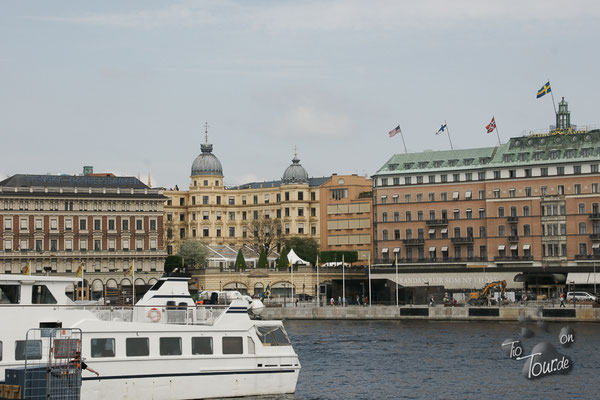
[[544, 90]]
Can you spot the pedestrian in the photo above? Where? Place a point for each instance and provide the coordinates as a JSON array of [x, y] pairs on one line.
[[77, 362], [366, 300], [296, 302], [332, 301], [339, 300], [357, 300]]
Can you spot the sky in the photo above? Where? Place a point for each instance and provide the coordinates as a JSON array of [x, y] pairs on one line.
[[127, 86]]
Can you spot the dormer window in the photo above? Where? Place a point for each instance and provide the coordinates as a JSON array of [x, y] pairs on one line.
[[468, 161], [438, 163], [452, 163]]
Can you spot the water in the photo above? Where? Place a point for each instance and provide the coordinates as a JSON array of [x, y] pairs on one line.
[[433, 360]]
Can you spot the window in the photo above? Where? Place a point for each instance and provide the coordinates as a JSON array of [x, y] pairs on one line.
[[482, 232], [419, 215], [231, 231], [30, 349], [431, 178], [205, 200], [102, 347], [526, 230], [231, 200], [408, 216], [528, 191], [202, 345], [407, 198], [407, 180], [232, 345], [469, 213], [526, 211], [457, 214], [384, 217], [561, 189], [581, 207], [560, 170], [431, 196], [577, 169], [482, 213], [512, 192], [137, 347], [272, 336], [577, 188], [444, 178], [170, 346], [97, 245], [501, 231], [594, 188], [444, 196], [385, 235], [544, 171], [500, 212], [582, 228], [82, 224], [125, 224], [496, 193], [396, 234]]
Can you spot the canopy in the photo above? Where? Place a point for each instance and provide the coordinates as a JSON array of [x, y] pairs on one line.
[[295, 260], [583, 278]]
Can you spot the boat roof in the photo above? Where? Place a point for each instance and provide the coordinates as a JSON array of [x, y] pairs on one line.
[[37, 278]]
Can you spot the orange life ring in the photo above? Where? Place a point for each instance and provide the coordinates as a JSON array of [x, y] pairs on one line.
[[154, 314]]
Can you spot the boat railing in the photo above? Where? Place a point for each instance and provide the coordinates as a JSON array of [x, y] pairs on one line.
[[198, 315]]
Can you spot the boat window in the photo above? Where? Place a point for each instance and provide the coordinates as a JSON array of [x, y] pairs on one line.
[[273, 336], [9, 294], [30, 349], [41, 295], [251, 347], [202, 345], [157, 285], [102, 347], [232, 345], [170, 346], [137, 347]]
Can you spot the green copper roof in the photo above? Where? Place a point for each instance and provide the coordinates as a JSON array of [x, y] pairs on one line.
[[520, 151]]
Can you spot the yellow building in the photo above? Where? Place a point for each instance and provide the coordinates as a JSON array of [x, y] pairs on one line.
[[220, 215]]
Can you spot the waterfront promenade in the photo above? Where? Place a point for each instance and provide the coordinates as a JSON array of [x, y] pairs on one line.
[[584, 313]]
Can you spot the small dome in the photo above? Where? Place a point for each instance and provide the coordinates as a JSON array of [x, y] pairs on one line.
[[207, 163], [295, 173]]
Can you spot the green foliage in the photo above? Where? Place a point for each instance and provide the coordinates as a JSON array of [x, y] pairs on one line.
[[193, 252], [306, 248], [283, 263], [172, 262], [333, 256], [262, 260], [240, 262]]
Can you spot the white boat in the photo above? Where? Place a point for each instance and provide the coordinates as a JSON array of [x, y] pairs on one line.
[[165, 347]]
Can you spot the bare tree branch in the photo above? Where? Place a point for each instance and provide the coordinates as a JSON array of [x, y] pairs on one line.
[[265, 234]]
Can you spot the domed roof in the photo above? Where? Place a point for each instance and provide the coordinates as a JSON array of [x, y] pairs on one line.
[[295, 173], [207, 163]]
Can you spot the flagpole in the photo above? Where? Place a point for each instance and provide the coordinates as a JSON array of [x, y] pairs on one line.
[[497, 133], [82, 279], [396, 263], [343, 284], [318, 293], [133, 279], [446, 124], [403, 142], [370, 299], [553, 102], [292, 272]]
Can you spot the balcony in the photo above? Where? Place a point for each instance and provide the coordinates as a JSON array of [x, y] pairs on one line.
[[513, 219], [595, 216], [462, 240], [513, 239], [513, 258], [595, 236], [437, 222], [587, 256], [413, 242]]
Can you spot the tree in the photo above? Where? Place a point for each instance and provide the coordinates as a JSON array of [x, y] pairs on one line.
[[333, 256], [172, 262], [283, 262], [240, 262], [305, 247], [263, 262], [194, 253], [265, 234]]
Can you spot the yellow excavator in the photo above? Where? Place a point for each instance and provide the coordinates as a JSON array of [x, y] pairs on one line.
[[480, 298]]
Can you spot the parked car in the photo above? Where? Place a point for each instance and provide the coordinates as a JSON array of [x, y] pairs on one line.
[[581, 296]]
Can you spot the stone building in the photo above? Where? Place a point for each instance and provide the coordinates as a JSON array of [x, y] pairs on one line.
[[530, 205], [55, 222], [346, 215], [220, 215]]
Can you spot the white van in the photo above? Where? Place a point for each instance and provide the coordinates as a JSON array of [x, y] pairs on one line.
[[581, 296]]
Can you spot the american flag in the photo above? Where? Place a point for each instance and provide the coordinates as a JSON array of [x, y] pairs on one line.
[[395, 131], [491, 126]]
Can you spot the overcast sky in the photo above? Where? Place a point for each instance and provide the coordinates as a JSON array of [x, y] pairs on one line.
[[126, 86]]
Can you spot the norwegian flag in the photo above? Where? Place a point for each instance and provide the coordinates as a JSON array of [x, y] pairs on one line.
[[491, 126]]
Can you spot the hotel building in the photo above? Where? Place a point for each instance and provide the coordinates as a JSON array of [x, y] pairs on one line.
[[532, 203]]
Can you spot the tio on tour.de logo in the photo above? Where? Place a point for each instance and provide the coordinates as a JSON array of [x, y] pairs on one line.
[[544, 359]]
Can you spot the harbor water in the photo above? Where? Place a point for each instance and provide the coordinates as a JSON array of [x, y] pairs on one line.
[[435, 360]]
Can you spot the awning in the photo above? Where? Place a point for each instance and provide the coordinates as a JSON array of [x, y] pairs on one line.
[[445, 248], [455, 195], [384, 250], [432, 230], [514, 246], [526, 246], [445, 230], [501, 247], [384, 196], [432, 248], [583, 278], [468, 193], [396, 249], [596, 246], [395, 196]]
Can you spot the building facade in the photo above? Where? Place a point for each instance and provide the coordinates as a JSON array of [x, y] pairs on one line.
[[55, 222], [530, 203], [220, 215], [346, 215]]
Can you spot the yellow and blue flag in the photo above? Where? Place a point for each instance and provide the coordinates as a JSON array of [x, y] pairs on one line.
[[544, 90]]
